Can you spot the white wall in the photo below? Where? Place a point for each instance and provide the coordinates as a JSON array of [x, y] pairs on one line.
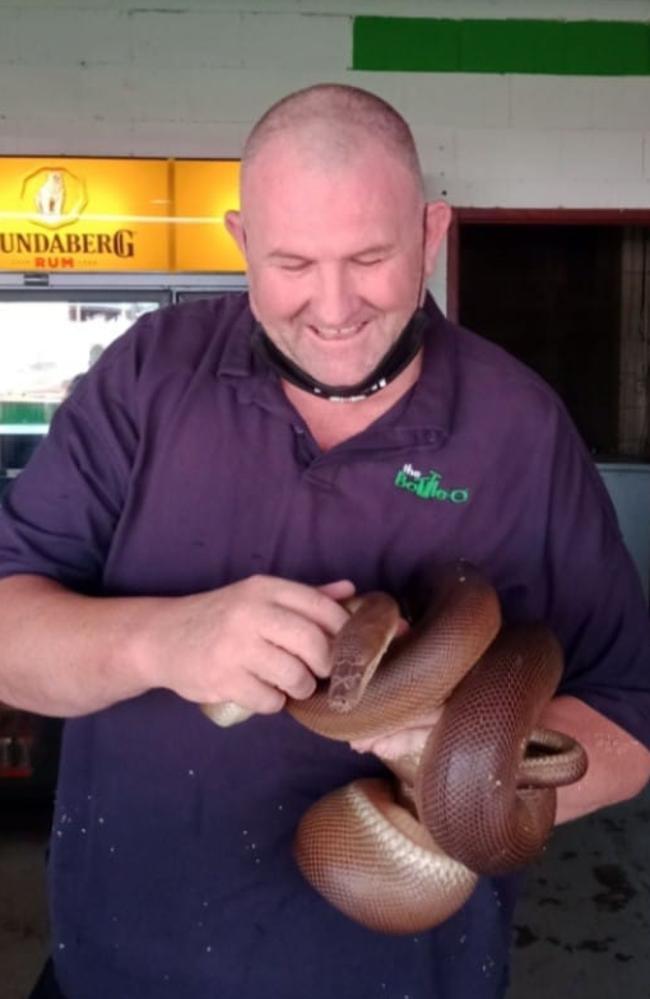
[[187, 78]]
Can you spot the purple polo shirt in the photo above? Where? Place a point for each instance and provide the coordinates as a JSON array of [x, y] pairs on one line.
[[178, 465]]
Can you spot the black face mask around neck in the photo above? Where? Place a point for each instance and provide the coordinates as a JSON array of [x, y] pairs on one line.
[[398, 356]]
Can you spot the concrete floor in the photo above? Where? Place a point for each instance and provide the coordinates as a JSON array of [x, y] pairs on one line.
[[582, 926], [581, 929], [24, 934]]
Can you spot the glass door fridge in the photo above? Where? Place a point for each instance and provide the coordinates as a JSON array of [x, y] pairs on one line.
[[48, 339]]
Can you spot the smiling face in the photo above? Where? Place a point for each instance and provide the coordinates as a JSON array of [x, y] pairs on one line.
[[337, 251]]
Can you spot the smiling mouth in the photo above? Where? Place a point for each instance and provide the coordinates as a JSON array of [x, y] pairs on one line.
[[340, 333]]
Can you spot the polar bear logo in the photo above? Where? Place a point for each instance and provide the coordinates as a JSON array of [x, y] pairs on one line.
[[51, 194]]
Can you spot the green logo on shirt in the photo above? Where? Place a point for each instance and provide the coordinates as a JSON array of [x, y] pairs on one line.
[[429, 485]]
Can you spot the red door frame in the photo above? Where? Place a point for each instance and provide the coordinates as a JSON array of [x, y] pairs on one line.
[[526, 216]]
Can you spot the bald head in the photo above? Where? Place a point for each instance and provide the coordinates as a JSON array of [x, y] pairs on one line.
[[328, 123], [336, 233]]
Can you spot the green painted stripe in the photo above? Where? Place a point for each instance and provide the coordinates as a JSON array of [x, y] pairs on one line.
[[437, 45]]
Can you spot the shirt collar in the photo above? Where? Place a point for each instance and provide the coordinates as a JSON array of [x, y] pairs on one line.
[[237, 358]]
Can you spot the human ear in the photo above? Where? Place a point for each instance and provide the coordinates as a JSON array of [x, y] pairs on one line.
[[437, 220], [235, 226]]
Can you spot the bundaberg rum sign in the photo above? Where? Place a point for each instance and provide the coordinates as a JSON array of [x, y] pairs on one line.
[[62, 214]]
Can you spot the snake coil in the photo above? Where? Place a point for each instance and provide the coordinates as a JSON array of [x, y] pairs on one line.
[[403, 856]]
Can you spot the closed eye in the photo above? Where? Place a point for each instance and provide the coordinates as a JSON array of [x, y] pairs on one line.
[[295, 267], [368, 261], [293, 264], [373, 255]]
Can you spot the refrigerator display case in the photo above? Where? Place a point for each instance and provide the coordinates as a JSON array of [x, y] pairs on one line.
[[47, 342]]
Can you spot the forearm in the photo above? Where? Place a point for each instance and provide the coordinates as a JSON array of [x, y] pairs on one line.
[[619, 766], [64, 654], [253, 642]]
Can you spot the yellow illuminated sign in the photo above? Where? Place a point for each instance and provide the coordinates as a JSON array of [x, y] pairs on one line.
[[64, 214], [204, 190]]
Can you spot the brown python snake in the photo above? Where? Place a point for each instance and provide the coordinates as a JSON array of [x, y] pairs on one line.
[[480, 799]]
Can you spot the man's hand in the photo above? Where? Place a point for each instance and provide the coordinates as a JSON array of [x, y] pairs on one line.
[[406, 742], [255, 642]]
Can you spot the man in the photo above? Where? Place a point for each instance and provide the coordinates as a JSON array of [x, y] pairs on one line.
[[206, 498]]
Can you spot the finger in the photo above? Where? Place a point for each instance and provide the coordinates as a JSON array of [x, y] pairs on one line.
[[312, 603], [402, 743], [410, 743], [402, 627], [392, 747], [303, 639], [259, 697], [286, 673], [342, 589]]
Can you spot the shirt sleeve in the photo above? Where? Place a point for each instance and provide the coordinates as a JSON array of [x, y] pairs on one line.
[[59, 516], [595, 600]]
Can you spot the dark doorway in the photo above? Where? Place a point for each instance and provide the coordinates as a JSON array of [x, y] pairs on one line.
[[570, 300]]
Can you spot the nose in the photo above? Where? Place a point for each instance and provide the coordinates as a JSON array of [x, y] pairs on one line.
[[335, 303]]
